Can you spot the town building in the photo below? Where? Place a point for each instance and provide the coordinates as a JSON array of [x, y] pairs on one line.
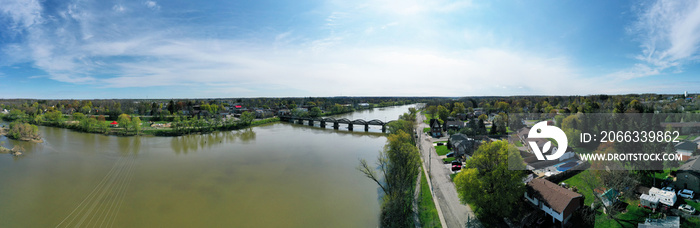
[[688, 175], [435, 128], [554, 200]]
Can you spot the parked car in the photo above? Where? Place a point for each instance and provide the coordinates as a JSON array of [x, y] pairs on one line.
[[686, 193], [440, 144], [687, 209], [450, 154], [668, 188], [456, 165]]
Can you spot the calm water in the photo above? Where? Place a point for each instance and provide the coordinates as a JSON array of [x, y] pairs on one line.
[[278, 175]]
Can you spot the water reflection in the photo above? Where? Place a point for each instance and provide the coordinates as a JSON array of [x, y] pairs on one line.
[[129, 145], [193, 143]]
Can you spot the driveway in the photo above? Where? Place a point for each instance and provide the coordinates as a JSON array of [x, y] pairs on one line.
[[444, 189]]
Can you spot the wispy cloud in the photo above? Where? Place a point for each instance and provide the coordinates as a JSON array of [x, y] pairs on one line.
[[668, 35]]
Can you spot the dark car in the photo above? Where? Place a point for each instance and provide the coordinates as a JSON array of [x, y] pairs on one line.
[[440, 144], [450, 154], [456, 165]]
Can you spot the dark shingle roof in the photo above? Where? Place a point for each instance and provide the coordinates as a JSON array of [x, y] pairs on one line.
[[686, 145], [553, 195]]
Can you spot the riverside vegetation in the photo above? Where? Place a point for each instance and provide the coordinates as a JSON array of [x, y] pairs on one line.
[[399, 164]]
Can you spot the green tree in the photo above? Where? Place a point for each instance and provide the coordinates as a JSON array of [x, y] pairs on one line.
[[54, 116], [442, 113], [315, 112], [247, 118], [136, 123], [489, 183], [571, 126], [23, 131], [78, 116], [125, 122]]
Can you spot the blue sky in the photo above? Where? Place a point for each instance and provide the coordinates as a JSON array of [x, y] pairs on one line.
[[179, 49]]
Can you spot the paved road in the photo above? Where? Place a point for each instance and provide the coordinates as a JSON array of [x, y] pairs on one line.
[[455, 213]]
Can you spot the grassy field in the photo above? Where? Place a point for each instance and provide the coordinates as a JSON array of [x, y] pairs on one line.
[[448, 159], [427, 213], [442, 150], [631, 218], [427, 129], [577, 181]]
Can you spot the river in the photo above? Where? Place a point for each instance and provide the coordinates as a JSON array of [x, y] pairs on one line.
[[276, 175]]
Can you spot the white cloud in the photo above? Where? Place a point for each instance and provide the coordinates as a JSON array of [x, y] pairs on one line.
[[118, 8], [152, 5], [669, 35], [24, 13]]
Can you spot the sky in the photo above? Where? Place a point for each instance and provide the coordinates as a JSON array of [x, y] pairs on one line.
[[101, 49]]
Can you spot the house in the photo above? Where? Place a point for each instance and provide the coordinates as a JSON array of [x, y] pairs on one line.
[[453, 125], [462, 116], [435, 128], [686, 149], [4, 111], [556, 201], [668, 222], [363, 105], [688, 175], [462, 145]]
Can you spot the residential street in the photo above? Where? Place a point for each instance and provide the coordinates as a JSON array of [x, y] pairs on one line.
[[454, 212]]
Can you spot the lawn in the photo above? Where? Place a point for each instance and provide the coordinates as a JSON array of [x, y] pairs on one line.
[[634, 216], [448, 160], [427, 213], [425, 130], [452, 176], [577, 181], [518, 143], [442, 150]]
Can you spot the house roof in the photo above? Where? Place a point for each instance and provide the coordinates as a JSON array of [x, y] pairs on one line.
[[691, 164], [553, 195], [522, 133], [680, 124], [686, 145], [456, 123], [434, 123]]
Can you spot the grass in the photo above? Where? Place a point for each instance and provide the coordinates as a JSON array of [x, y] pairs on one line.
[[691, 222], [425, 130], [577, 180], [447, 160], [631, 218], [452, 176], [427, 213], [442, 150], [692, 204], [518, 143]]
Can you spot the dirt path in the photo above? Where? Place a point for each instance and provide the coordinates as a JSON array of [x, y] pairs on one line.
[[455, 213]]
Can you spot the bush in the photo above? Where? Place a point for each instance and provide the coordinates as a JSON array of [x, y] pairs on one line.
[[23, 131]]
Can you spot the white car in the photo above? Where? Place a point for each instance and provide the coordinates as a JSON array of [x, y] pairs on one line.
[[686, 193], [669, 189], [687, 209]]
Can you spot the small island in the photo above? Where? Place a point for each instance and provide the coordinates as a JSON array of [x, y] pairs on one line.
[[22, 131]]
